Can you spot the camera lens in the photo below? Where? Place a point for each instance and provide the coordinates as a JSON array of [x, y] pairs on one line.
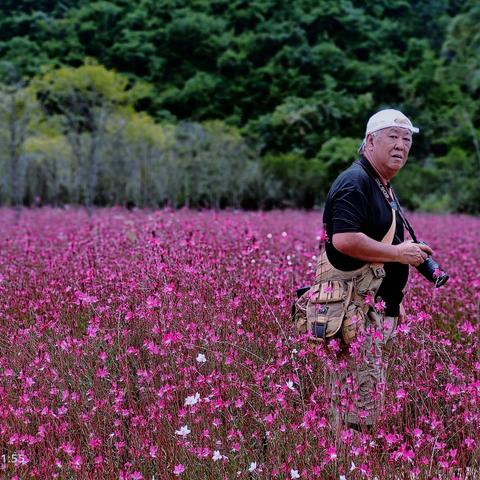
[[427, 268], [432, 271], [441, 279]]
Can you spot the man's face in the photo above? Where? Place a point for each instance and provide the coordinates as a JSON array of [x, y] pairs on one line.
[[390, 148]]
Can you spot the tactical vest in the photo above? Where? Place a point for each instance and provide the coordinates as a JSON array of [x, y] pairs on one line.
[[337, 300]]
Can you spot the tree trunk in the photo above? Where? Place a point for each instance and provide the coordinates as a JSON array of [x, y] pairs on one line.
[[91, 173], [16, 139]]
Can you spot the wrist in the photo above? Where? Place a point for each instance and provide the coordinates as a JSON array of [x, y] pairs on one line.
[[395, 253]]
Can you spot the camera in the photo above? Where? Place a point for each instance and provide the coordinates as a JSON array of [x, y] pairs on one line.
[[432, 271]]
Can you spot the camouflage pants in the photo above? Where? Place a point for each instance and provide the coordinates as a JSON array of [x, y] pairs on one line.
[[357, 380]]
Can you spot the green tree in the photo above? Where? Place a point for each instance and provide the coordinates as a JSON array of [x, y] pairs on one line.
[[82, 100], [291, 180], [304, 124], [16, 106], [461, 71], [337, 154], [49, 171]]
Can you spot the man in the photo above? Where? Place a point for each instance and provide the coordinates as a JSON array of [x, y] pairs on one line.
[[358, 214]]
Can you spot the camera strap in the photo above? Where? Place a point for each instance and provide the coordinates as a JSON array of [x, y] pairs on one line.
[[404, 218], [391, 199]]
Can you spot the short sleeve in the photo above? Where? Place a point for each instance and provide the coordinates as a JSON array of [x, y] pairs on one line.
[[349, 210]]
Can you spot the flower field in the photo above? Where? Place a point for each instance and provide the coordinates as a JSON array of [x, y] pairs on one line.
[[141, 345]]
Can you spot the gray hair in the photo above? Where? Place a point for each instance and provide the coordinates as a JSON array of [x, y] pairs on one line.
[[364, 142]]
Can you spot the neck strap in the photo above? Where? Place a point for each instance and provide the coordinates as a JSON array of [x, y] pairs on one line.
[[391, 199]]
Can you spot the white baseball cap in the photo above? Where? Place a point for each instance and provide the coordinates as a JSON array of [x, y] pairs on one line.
[[385, 119]]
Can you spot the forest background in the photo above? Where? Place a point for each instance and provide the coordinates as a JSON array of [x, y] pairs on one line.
[[245, 104]]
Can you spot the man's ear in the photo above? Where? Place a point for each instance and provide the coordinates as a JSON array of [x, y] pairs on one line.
[[369, 141]]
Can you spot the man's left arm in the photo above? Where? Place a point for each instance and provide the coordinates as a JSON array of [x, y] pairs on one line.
[[358, 245]]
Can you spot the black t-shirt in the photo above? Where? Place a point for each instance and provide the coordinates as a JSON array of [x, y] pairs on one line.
[[355, 203]]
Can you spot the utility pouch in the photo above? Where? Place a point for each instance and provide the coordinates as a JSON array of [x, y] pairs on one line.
[[336, 301], [321, 309], [364, 284]]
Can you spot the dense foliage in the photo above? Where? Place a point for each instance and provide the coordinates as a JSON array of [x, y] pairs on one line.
[[295, 80], [140, 345]]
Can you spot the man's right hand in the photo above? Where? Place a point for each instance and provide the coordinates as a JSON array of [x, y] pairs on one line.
[[411, 253]]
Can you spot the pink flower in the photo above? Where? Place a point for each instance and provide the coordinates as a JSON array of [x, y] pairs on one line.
[[380, 306], [85, 298], [179, 469], [444, 464], [322, 236], [437, 272], [102, 372], [151, 347], [369, 300], [391, 438], [467, 328], [452, 389], [404, 453], [331, 453], [401, 393], [94, 442], [152, 451], [68, 448], [76, 462], [469, 442]]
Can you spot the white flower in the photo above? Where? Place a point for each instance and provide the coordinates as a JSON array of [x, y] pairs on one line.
[[342, 477], [192, 400], [290, 385], [252, 467], [184, 431], [353, 467], [294, 473], [201, 358], [216, 456]]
